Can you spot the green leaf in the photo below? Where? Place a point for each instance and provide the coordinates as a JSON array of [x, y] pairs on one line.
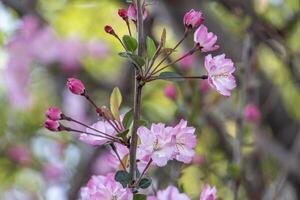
[[123, 134], [115, 102], [163, 38], [137, 60], [130, 43], [122, 177], [151, 47], [128, 118], [139, 197], [145, 183], [234, 171], [171, 76], [143, 122]]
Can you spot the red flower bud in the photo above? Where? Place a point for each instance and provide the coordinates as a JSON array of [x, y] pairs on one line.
[[54, 113], [52, 125], [75, 86], [108, 29], [123, 13]]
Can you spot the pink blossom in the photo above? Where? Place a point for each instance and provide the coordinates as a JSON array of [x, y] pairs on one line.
[[102, 126], [54, 113], [204, 86], [193, 19], [208, 193], [170, 91], [123, 13], [220, 71], [52, 171], [132, 12], [205, 40], [75, 86], [184, 139], [52, 125], [20, 154], [170, 193], [105, 188], [187, 62], [252, 113], [156, 143], [108, 29]]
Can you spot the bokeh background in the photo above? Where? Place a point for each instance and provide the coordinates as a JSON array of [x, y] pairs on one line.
[[43, 42]]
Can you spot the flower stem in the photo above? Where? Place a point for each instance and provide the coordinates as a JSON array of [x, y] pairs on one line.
[[113, 147], [144, 171]]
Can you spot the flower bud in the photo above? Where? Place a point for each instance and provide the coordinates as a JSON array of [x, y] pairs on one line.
[[54, 113], [123, 13], [252, 113], [170, 92], [75, 86], [132, 12], [108, 29], [52, 125], [193, 19]]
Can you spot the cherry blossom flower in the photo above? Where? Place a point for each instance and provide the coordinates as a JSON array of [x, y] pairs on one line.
[[105, 188], [54, 113], [170, 193], [220, 71], [156, 143], [208, 193], [52, 125], [205, 40], [184, 141], [170, 91], [193, 19], [252, 113], [75, 86], [123, 13], [132, 12], [102, 126]]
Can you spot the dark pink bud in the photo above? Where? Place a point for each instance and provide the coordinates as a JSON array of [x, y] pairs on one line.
[[252, 113], [123, 13], [170, 91], [75, 86], [132, 12], [193, 19], [109, 30], [54, 113], [52, 125]]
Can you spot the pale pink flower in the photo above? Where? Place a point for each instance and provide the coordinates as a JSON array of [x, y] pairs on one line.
[[132, 12], [52, 125], [170, 91], [252, 113], [208, 193], [170, 193], [54, 113], [102, 126], [105, 188], [75, 86], [184, 141], [220, 71], [156, 143], [193, 19], [205, 40]]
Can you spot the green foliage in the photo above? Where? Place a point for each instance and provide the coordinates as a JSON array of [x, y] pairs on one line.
[[122, 177], [145, 183], [139, 197], [170, 76], [151, 47], [115, 103], [130, 43]]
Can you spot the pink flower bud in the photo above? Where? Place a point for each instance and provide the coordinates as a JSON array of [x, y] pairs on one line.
[[205, 40], [75, 86], [52, 125], [108, 29], [54, 113], [252, 113], [123, 13], [193, 19], [132, 12], [204, 86], [170, 91]]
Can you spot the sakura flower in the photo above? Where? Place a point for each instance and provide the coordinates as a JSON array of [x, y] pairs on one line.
[[220, 71], [205, 40], [184, 141], [156, 143], [132, 12], [208, 193], [101, 126], [123, 14], [75, 86], [170, 193], [252, 113], [52, 125], [105, 188], [193, 19], [170, 91], [54, 113]]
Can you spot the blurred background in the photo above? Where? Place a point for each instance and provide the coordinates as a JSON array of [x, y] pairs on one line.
[[247, 144]]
